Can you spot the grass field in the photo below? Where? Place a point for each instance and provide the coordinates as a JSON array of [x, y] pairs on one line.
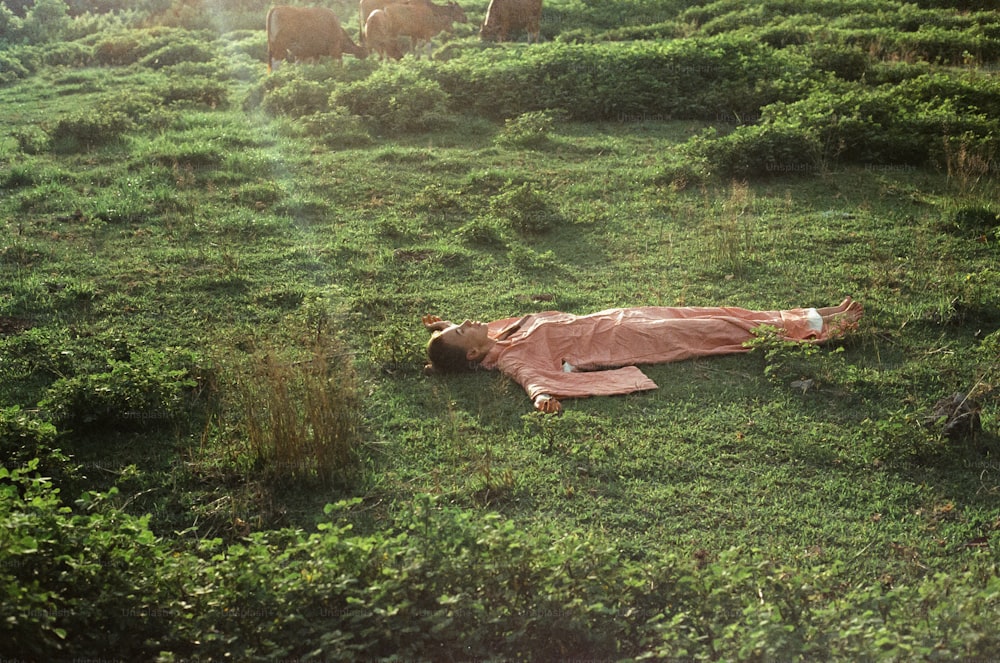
[[211, 284]]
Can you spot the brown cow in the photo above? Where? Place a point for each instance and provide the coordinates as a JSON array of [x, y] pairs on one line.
[[504, 17], [366, 7], [421, 21], [306, 33], [379, 37]]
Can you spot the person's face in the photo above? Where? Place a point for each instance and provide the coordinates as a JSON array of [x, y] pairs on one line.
[[471, 336]]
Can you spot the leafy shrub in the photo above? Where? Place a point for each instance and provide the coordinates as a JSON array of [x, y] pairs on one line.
[[885, 125], [683, 78], [442, 583], [67, 54], [481, 232], [529, 130], [11, 68], [70, 581], [174, 54], [117, 49], [45, 21], [395, 100], [195, 90], [296, 97], [525, 209], [144, 390], [336, 128], [26, 440], [848, 63], [83, 130], [125, 47], [758, 151]]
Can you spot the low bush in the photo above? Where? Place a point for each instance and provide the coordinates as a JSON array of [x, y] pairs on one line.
[[195, 91], [680, 79], [524, 209], [848, 63], [11, 68], [529, 130], [179, 53], [758, 151], [395, 101], [117, 49], [71, 582], [145, 390], [28, 441], [295, 98], [443, 583], [912, 123], [83, 130], [337, 128]]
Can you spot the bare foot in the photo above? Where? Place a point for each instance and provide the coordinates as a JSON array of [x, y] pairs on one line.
[[841, 319], [830, 311]]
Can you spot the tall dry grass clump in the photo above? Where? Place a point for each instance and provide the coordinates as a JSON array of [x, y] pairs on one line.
[[301, 419]]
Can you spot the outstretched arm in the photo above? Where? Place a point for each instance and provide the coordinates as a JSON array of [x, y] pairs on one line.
[[433, 323]]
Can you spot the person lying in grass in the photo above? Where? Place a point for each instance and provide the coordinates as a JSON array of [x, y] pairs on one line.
[[559, 355]]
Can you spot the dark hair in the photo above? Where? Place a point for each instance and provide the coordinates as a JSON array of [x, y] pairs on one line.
[[446, 358]]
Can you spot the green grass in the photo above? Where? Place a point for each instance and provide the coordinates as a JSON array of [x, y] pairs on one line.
[[189, 239]]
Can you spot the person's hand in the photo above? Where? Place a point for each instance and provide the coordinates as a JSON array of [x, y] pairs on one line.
[[434, 323], [547, 405]]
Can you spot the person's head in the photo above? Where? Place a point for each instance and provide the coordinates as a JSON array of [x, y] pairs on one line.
[[458, 347]]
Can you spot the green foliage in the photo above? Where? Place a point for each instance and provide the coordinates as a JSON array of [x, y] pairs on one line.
[[336, 128], [84, 130], [784, 360], [11, 68], [395, 101], [194, 91], [736, 513], [639, 81], [145, 390], [759, 151], [529, 130], [72, 581], [29, 442], [439, 582], [524, 208], [45, 22], [174, 54], [296, 98]]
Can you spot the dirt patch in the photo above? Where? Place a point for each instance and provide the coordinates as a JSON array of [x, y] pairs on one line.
[[10, 326]]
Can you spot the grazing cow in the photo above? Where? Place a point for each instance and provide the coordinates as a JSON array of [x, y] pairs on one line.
[[505, 17], [421, 21], [306, 33], [379, 37], [366, 7]]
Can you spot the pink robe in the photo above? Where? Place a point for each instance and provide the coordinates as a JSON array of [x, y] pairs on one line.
[[602, 349]]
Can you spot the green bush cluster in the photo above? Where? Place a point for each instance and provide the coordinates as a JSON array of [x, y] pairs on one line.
[[395, 101], [441, 583], [906, 123], [529, 130], [145, 389], [524, 208]]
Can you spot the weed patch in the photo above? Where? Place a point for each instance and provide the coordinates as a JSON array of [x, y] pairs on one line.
[[300, 419]]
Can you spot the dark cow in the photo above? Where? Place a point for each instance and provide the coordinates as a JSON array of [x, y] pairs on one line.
[[379, 37], [507, 17], [306, 33], [421, 21]]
